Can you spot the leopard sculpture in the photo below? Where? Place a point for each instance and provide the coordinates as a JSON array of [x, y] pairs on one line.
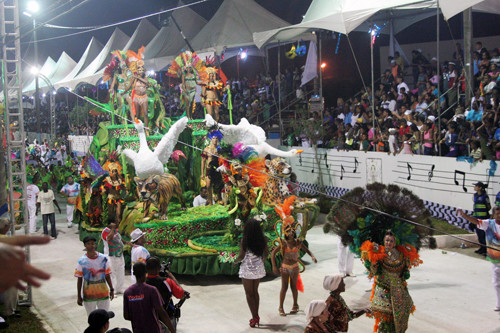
[[276, 189], [159, 189]]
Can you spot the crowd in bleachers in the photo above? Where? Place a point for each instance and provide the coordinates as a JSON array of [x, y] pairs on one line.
[[408, 115]]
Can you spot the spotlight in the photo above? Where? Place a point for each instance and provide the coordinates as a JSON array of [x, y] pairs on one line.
[[43, 95], [243, 55], [34, 70], [33, 7], [323, 65]]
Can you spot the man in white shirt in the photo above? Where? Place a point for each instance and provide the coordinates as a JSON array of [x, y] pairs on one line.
[[31, 193], [201, 199], [45, 202], [402, 84], [138, 252]]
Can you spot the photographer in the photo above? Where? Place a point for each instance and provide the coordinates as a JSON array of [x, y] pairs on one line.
[[161, 278]]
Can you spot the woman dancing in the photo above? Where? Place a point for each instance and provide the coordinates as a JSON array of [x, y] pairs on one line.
[[253, 250], [290, 250], [390, 265]]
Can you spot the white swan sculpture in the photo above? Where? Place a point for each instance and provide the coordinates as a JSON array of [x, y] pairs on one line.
[[148, 163], [250, 135]]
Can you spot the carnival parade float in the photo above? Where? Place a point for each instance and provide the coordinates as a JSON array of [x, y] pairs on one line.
[[143, 170]]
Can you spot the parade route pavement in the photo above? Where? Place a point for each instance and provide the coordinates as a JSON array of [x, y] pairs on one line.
[[452, 292]]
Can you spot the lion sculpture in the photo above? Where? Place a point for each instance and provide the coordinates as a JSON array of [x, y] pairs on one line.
[[159, 189]]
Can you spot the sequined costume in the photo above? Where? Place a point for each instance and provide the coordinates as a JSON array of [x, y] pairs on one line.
[[391, 303], [340, 314], [252, 267]]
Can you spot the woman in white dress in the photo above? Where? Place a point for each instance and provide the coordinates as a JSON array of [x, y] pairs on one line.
[[253, 250]]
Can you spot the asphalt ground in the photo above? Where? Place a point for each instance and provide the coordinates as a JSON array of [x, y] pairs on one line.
[[452, 291]]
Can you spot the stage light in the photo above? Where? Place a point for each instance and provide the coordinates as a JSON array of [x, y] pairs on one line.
[[27, 14], [54, 92], [151, 73], [43, 95], [33, 7], [323, 65], [34, 70]]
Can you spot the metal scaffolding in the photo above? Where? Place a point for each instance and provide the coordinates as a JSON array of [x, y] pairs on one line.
[[14, 120]]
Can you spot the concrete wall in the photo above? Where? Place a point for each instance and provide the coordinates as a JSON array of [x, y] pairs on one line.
[[431, 178], [80, 144]]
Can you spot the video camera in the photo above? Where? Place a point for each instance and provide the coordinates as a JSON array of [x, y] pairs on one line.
[[165, 268]]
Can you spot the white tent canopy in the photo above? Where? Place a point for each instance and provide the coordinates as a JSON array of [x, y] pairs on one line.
[[63, 66], [233, 25], [345, 16], [117, 41], [46, 70], [91, 52], [169, 40], [142, 36]]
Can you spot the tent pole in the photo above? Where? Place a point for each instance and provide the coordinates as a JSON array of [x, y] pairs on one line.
[[468, 65], [438, 73], [372, 40], [320, 74], [279, 86]]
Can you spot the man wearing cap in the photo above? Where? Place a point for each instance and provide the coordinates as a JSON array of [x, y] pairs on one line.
[[481, 211], [452, 77], [395, 69], [139, 252], [99, 322], [113, 250], [93, 272], [143, 305]]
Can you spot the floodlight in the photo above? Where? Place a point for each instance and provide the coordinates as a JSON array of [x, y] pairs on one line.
[[34, 70], [33, 7]]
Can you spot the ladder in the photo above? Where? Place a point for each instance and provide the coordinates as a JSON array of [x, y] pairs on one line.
[[14, 120]]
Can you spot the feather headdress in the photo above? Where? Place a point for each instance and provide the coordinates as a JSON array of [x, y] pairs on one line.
[[184, 61]]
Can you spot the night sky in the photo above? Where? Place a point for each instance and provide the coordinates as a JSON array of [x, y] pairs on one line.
[[341, 77]]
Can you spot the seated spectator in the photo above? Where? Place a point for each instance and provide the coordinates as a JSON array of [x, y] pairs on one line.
[[474, 114], [475, 151]]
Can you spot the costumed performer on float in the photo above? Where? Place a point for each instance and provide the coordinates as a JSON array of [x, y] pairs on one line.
[[389, 265], [210, 90], [114, 186], [190, 69], [289, 245], [118, 70], [139, 84], [210, 178]]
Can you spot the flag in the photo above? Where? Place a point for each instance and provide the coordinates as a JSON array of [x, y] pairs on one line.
[[311, 68]]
